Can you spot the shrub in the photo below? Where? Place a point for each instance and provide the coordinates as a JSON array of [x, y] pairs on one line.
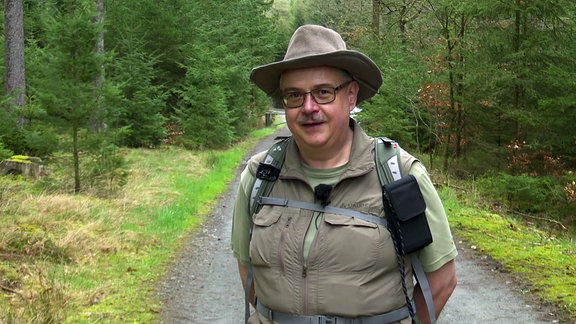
[[41, 141], [526, 194], [106, 170], [4, 152]]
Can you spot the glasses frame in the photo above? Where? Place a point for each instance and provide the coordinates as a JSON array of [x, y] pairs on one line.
[[311, 93]]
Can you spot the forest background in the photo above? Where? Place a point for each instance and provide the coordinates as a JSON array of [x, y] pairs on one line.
[[482, 91]]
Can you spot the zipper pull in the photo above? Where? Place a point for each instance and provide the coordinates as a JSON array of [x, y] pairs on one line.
[[304, 271]]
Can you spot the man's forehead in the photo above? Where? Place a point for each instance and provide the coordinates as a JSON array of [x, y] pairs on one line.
[[314, 76]]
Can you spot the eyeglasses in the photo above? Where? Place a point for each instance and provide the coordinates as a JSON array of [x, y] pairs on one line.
[[322, 96]]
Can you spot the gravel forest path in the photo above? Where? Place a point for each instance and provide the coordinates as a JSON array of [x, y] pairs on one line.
[[203, 285]]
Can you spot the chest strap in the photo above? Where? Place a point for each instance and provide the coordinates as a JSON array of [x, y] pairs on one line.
[[285, 318], [323, 209]]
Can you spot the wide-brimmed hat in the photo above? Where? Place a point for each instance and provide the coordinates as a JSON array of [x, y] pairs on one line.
[[313, 45]]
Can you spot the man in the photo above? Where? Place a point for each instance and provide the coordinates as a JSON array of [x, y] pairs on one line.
[[316, 267]]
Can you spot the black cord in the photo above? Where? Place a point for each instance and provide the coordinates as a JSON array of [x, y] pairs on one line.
[[399, 247]]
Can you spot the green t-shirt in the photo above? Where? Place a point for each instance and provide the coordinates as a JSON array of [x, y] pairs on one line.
[[316, 177], [432, 257]]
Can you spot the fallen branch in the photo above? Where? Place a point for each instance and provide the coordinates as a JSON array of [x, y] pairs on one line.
[[10, 290], [456, 187], [541, 218]]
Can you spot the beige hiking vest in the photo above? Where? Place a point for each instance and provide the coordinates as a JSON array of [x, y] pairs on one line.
[[352, 267]]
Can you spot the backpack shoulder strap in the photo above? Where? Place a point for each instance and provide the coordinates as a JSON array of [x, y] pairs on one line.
[[266, 175], [389, 168], [268, 172], [387, 160]]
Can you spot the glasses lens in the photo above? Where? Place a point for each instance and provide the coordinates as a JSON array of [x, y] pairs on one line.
[[323, 95], [293, 99]]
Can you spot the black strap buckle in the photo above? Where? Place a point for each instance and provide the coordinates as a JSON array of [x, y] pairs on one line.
[[327, 320], [267, 172]]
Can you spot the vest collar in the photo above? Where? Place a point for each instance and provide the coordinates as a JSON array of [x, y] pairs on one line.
[[361, 157]]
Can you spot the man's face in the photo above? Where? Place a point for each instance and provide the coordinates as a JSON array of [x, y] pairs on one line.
[[314, 125]]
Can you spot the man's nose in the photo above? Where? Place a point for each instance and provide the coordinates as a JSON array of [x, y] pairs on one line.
[[309, 104]]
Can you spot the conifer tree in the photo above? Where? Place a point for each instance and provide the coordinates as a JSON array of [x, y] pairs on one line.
[[72, 66]]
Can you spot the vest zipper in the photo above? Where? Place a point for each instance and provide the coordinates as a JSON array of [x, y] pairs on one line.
[[281, 249], [304, 261], [305, 264], [305, 286], [305, 289], [305, 268]]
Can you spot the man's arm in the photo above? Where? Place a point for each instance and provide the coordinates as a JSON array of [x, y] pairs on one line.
[[240, 240], [243, 271], [442, 283]]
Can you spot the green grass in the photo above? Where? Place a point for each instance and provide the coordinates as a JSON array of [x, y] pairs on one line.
[[118, 248], [546, 260]]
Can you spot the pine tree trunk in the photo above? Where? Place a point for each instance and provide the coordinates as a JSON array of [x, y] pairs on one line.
[[96, 122], [14, 68], [76, 157]]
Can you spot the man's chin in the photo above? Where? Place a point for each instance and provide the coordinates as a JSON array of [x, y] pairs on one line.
[[312, 141]]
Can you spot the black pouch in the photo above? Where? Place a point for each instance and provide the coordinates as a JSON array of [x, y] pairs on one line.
[[405, 209]]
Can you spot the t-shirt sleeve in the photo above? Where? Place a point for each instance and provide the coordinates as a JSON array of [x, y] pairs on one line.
[[442, 249], [240, 240]]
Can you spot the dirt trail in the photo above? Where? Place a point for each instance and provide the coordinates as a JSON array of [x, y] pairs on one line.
[[203, 285]]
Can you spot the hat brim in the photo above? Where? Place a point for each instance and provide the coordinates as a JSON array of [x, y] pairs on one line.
[[360, 66]]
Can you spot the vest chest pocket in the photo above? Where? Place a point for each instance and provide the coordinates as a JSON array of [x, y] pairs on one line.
[[350, 244], [267, 216], [266, 235]]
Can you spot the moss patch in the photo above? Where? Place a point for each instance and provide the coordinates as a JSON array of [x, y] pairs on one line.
[[544, 259]]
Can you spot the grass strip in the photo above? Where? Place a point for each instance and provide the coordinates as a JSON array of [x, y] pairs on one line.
[[544, 259]]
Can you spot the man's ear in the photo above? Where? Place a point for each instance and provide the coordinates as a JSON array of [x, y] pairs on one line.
[[353, 89]]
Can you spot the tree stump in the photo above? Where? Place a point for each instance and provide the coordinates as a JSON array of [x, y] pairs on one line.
[[27, 166]]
